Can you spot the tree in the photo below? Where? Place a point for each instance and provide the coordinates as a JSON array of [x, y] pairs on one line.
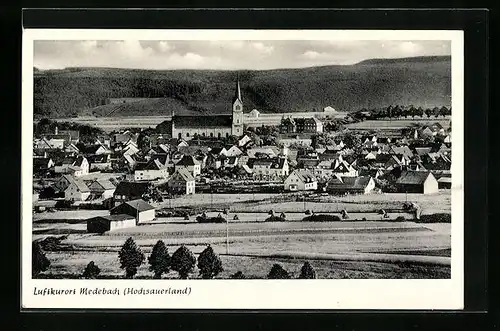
[[307, 271], [91, 271], [277, 272], [428, 112], [420, 112], [209, 263], [131, 257], [237, 275], [352, 140], [443, 111], [159, 260], [183, 261], [39, 261]]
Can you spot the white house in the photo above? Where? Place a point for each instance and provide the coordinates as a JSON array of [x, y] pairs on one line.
[[244, 140], [130, 149], [319, 125], [189, 163], [254, 113], [52, 143], [77, 190], [270, 167], [101, 188], [151, 170], [233, 151], [301, 180], [181, 182]]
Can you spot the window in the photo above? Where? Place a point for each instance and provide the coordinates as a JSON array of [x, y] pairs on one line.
[[218, 135], [187, 134], [227, 134], [237, 107], [180, 135], [203, 134], [211, 134]]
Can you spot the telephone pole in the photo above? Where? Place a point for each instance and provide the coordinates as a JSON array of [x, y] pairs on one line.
[[227, 235]]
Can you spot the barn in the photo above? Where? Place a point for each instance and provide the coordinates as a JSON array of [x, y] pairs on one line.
[[101, 224], [411, 181], [140, 209]]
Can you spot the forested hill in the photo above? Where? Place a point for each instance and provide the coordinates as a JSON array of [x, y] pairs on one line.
[[422, 81]]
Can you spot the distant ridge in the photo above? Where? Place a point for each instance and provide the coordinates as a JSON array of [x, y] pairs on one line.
[[421, 81], [414, 59]]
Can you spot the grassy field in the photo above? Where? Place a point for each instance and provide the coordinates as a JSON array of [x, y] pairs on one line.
[[109, 124], [399, 124], [68, 265], [430, 203], [253, 244]]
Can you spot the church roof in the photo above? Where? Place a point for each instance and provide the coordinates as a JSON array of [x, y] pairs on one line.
[[214, 121], [237, 92]]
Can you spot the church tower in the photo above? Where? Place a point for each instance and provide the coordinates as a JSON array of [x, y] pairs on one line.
[[237, 127]]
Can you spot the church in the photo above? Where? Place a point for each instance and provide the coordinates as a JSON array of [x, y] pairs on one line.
[[216, 125]]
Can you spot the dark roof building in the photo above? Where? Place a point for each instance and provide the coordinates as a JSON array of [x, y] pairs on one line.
[[356, 185], [411, 181], [126, 191]]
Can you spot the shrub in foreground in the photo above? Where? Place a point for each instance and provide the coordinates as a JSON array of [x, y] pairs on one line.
[[204, 219], [183, 261], [307, 271], [400, 219], [39, 261], [277, 272], [435, 218], [321, 218], [159, 260], [91, 271], [275, 219], [131, 257], [209, 263]]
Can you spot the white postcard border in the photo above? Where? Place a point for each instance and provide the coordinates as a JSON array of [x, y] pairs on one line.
[[252, 294]]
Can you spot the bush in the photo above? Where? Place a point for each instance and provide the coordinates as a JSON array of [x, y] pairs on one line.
[[131, 257], [39, 261], [204, 219], [307, 271], [91, 271], [400, 219], [435, 218], [209, 263], [308, 212], [321, 218], [63, 204], [159, 260], [277, 272], [237, 275], [275, 219], [183, 261]]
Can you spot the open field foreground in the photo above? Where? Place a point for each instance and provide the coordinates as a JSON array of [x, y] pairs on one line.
[[336, 250]]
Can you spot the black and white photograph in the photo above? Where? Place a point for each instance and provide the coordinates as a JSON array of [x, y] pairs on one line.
[[241, 156]]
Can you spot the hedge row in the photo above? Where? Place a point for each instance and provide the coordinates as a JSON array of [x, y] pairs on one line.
[[435, 218]]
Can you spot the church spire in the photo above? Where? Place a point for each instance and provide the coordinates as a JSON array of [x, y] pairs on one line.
[[237, 92]]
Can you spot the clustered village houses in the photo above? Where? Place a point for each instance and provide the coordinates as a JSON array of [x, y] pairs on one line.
[[200, 151]]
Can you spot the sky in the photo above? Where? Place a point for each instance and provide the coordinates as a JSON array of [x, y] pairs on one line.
[[224, 54]]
